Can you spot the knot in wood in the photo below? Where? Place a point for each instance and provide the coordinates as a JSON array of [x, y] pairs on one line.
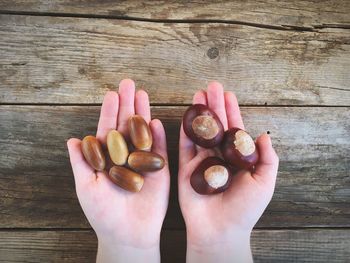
[[213, 52]]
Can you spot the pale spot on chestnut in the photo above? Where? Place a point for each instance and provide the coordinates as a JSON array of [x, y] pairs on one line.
[[239, 149], [244, 143], [211, 176], [205, 127], [216, 176]]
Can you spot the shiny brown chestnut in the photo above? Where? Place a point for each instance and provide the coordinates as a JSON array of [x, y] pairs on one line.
[[211, 176], [203, 126], [145, 161], [239, 149], [93, 153], [126, 179], [140, 133]]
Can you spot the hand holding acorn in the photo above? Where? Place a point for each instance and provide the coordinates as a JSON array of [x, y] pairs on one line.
[[128, 165]]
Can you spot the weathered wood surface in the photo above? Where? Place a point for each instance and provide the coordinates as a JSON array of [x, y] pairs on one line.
[[267, 246], [279, 13], [37, 187], [75, 60]]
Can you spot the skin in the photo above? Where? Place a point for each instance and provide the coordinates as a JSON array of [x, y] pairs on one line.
[[127, 224], [219, 226]]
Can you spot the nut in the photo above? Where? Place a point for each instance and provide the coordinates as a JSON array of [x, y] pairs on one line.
[[117, 147], [145, 161], [216, 176], [126, 179], [203, 126], [140, 133], [92, 151], [238, 149], [211, 176]]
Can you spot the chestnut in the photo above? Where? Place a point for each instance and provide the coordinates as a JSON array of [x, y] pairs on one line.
[[203, 126], [239, 149], [211, 176]]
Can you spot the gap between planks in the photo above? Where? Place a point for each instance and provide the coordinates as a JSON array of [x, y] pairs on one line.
[[87, 229], [171, 105], [313, 28]]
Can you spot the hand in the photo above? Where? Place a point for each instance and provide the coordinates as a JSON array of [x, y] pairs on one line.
[[219, 226], [127, 224]]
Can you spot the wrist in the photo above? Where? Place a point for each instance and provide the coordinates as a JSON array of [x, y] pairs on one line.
[[230, 247], [109, 252]]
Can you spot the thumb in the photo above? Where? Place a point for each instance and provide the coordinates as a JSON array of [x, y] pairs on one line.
[[83, 173], [266, 169]]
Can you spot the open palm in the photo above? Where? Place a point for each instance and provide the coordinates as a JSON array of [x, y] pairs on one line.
[[213, 219], [118, 216]]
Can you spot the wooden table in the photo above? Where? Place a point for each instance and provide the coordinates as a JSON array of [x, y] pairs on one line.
[[287, 61]]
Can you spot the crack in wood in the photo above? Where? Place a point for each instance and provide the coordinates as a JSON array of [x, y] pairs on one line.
[[313, 28], [334, 88]]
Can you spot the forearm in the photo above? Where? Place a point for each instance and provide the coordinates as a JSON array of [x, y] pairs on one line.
[[236, 250], [110, 253]]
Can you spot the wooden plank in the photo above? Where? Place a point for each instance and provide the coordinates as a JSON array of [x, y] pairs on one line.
[[76, 60], [47, 246], [292, 13], [267, 246], [37, 187]]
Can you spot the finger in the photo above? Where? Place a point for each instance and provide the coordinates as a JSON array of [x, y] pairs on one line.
[[159, 138], [267, 167], [199, 158], [83, 172], [187, 149], [126, 104], [160, 180], [142, 107], [200, 97], [216, 101], [108, 115], [184, 176], [234, 118]]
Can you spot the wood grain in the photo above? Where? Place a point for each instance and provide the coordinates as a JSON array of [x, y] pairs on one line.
[[267, 246], [271, 12], [293, 53], [37, 187], [76, 60]]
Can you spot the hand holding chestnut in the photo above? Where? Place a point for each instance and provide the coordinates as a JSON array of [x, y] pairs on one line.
[[204, 128], [127, 224], [224, 184]]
